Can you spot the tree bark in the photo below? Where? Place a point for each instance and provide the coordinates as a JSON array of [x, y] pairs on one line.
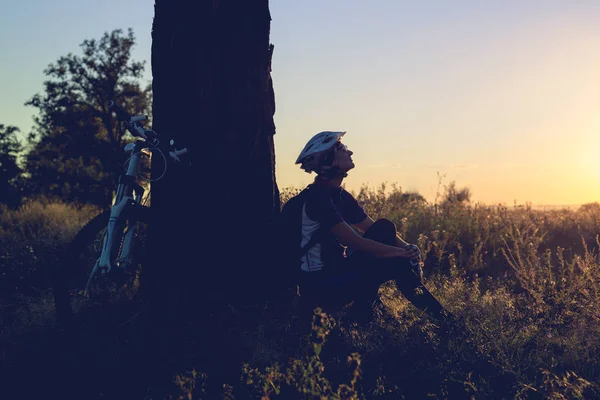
[[212, 91]]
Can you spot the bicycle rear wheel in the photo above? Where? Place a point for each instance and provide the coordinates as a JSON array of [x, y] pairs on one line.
[[111, 300]]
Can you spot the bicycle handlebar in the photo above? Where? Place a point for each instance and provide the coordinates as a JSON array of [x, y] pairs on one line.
[[139, 118], [135, 129], [132, 125]]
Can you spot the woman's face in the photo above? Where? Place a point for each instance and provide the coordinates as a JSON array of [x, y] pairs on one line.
[[343, 157]]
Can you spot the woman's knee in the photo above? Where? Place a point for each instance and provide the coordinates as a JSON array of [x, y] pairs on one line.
[[385, 224], [383, 230]]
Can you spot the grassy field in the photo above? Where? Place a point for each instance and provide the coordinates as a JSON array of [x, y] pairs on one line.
[[523, 282]]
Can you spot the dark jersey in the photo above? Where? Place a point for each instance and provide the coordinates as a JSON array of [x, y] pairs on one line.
[[324, 208]]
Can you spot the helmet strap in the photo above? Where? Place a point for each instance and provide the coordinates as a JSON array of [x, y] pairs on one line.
[[332, 173]]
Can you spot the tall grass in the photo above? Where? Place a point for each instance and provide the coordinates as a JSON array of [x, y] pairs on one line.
[[31, 239], [523, 282]]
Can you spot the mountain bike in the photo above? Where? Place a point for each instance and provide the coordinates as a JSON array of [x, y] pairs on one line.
[[99, 279]]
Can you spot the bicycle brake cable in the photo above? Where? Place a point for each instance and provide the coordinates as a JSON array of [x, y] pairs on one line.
[[165, 163]]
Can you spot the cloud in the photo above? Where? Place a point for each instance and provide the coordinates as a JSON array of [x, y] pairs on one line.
[[511, 165], [463, 166], [384, 166]]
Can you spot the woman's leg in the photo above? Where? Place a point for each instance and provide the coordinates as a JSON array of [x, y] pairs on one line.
[[410, 285], [366, 286], [375, 271]]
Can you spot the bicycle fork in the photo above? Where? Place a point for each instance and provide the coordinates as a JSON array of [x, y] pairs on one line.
[[125, 259], [118, 241]]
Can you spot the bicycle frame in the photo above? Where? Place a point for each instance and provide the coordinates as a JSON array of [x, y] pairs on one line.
[[117, 243]]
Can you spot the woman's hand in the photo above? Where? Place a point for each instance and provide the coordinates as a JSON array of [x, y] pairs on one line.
[[409, 251], [413, 252]]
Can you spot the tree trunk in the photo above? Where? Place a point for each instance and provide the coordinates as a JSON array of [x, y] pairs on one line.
[[212, 91]]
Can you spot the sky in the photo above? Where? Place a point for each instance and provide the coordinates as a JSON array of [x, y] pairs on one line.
[[501, 96]]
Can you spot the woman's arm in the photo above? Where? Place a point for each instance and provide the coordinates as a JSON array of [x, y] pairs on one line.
[[348, 237], [365, 224]]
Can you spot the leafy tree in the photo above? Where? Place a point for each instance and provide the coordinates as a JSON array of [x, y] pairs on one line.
[[454, 195], [76, 144], [10, 171], [403, 198]]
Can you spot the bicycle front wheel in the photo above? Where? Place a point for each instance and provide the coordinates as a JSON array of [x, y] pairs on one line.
[[86, 297]]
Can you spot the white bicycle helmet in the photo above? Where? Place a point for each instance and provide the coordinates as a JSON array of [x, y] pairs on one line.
[[322, 141]]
